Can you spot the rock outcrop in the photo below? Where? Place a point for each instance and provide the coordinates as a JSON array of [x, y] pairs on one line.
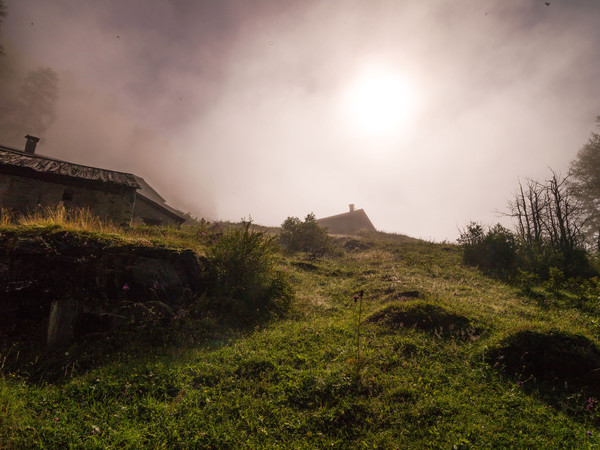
[[56, 286]]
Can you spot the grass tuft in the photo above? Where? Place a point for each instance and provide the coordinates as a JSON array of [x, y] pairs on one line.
[[79, 219]]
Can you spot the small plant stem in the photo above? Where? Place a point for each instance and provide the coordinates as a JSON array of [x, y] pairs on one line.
[[358, 324], [358, 338]]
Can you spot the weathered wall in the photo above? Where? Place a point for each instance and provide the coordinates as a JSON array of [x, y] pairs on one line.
[[145, 212], [86, 284], [24, 194]]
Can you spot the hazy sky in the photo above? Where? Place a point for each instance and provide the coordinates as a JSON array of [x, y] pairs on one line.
[[423, 112]]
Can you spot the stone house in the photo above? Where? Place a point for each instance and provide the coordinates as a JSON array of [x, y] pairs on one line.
[[29, 181], [353, 221]]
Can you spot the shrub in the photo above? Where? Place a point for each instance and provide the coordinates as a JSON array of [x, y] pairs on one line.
[[243, 274], [492, 251], [541, 257], [556, 280], [527, 281], [305, 236]]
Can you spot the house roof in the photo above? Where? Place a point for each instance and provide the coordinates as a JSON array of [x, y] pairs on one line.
[[166, 209], [36, 163], [148, 193], [349, 222], [12, 157]]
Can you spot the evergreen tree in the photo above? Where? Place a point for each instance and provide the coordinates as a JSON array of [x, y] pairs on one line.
[[2, 16], [36, 109], [585, 174]]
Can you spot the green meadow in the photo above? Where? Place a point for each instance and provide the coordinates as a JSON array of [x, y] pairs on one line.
[[387, 342]]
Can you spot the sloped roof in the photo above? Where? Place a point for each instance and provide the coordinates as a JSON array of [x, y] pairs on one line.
[[150, 194], [349, 222], [147, 191], [12, 157]]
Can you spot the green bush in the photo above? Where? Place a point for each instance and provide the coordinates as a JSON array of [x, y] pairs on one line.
[[541, 257], [493, 251], [498, 251], [305, 236], [556, 280], [586, 292], [526, 281], [244, 279]]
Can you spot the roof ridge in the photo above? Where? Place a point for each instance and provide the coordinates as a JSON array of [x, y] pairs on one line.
[[50, 158], [343, 214], [43, 164]]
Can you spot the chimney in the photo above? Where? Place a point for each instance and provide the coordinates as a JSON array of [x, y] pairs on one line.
[[30, 144], [351, 207]]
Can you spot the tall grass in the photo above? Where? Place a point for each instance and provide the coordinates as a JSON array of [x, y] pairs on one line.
[[84, 220], [6, 217], [76, 219]]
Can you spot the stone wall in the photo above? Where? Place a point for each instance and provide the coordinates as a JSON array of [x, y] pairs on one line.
[[24, 194]]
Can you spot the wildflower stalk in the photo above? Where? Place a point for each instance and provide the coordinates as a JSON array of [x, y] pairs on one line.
[[358, 299]]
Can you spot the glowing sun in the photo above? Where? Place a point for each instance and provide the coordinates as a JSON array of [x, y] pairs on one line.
[[380, 103]]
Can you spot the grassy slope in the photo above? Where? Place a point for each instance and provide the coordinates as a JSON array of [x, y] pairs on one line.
[[293, 382]]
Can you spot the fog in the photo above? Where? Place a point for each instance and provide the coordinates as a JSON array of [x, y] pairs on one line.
[[235, 109]]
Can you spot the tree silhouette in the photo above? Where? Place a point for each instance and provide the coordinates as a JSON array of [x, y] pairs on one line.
[[585, 172], [2, 16], [36, 109]]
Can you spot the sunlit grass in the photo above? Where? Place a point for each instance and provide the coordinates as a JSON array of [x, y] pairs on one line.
[[84, 220], [291, 383], [69, 219]]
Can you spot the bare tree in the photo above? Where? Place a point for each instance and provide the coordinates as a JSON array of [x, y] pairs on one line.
[[564, 217], [528, 208], [550, 221]]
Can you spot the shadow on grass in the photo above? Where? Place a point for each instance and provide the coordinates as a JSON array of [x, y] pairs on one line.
[[561, 369], [426, 317], [32, 361]]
